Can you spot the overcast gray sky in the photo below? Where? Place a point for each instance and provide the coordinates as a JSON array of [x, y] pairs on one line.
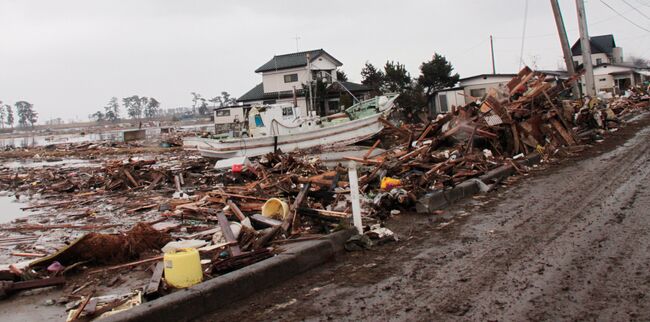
[[69, 57]]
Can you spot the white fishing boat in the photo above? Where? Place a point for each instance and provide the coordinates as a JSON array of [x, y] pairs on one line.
[[278, 127]]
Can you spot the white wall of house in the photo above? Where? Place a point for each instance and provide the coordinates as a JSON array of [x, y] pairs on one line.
[[606, 81], [603, 82], [232, 114], [274, 81], [479, 84], [323, 63], [596, 59]]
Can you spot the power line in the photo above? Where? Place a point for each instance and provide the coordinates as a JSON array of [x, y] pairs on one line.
[[624, 17], [636, 9], [570, 29]]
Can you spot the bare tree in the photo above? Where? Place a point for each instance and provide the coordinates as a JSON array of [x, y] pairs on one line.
[[151, 108], [26, 113], [639, 61], [112, 110], [10, 115], [3, 114]]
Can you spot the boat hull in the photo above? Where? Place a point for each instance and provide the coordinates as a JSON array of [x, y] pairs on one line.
[[332, 136]]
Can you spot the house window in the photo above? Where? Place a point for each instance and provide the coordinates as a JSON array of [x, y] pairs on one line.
[[599, 61], [443, 103], [477, 92], [287, 111], [224, 112], [290, 78]]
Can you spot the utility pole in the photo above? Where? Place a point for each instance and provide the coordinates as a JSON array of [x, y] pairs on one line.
[[494, 68], [585, 44], [564, 41]]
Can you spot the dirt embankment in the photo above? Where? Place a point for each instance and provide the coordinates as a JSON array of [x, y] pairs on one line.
[[570, 243]]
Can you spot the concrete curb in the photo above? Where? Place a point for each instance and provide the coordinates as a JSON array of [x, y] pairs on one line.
[[222, 291], [441, 199]]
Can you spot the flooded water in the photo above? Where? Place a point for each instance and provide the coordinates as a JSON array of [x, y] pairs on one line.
[[65, 163], [116, 136], [10, 208], [40, 140]]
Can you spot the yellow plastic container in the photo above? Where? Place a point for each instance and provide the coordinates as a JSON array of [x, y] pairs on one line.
[[275, 208], [388, 183], [183, 268]]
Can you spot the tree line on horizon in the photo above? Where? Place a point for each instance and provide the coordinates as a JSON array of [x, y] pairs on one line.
[[24, 110], [137, 106]]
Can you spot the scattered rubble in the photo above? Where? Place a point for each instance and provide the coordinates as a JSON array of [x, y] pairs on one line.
[[125, 211]]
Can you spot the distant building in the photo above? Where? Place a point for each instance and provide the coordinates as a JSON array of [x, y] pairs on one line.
[[472, 88], [285, 77], [616, 78], [611, 73]]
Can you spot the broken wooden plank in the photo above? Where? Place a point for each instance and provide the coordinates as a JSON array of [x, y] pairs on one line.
[[228, 235], [286, 224], [154, 282], [131, 178], [562, 131]]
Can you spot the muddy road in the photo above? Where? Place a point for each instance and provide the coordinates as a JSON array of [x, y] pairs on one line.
[[571, 242]]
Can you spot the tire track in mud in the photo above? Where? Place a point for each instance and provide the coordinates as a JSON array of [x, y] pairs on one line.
[[531, 243]]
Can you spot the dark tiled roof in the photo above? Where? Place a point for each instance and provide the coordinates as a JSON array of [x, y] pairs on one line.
[[293, 60], [256, 93], [599, 45]]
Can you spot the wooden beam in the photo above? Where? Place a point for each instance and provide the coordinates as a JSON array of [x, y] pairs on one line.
[[228, 235], [130, 177], [286, 224]]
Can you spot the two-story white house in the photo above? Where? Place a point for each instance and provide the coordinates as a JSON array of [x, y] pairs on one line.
[[286, 78], [611, 73]]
